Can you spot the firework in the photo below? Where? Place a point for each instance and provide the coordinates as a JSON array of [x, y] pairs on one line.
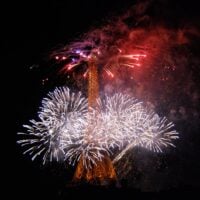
[[59, 110], [98, 45], [129, 123], [68, 130]]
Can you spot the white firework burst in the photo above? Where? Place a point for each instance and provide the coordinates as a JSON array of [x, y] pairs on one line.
[[68, 130], [136, 125], [59, 110]]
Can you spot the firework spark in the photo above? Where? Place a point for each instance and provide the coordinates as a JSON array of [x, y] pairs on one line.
[[68, 130], [129, 123], [59, 110], [96, 45]]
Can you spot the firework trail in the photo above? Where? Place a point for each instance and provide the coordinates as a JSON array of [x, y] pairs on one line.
[[68, 130]]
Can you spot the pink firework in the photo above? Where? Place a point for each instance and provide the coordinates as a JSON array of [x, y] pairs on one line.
[[110, 53]]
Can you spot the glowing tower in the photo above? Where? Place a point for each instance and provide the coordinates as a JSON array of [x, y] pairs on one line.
[[103, 172]]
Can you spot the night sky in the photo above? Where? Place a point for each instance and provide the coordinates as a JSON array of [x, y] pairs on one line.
[[32, 30]]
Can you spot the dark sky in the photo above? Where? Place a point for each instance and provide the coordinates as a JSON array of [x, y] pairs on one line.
[[31, 30]]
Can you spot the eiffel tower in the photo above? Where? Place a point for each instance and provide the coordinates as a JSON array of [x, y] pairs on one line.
[[103, 173]]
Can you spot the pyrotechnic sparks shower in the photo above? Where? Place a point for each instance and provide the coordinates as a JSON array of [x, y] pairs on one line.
[[78, 55], [67, 130], [61, 112], [110, 52]]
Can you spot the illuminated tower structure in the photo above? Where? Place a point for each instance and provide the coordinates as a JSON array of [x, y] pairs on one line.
[[103, 172]]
